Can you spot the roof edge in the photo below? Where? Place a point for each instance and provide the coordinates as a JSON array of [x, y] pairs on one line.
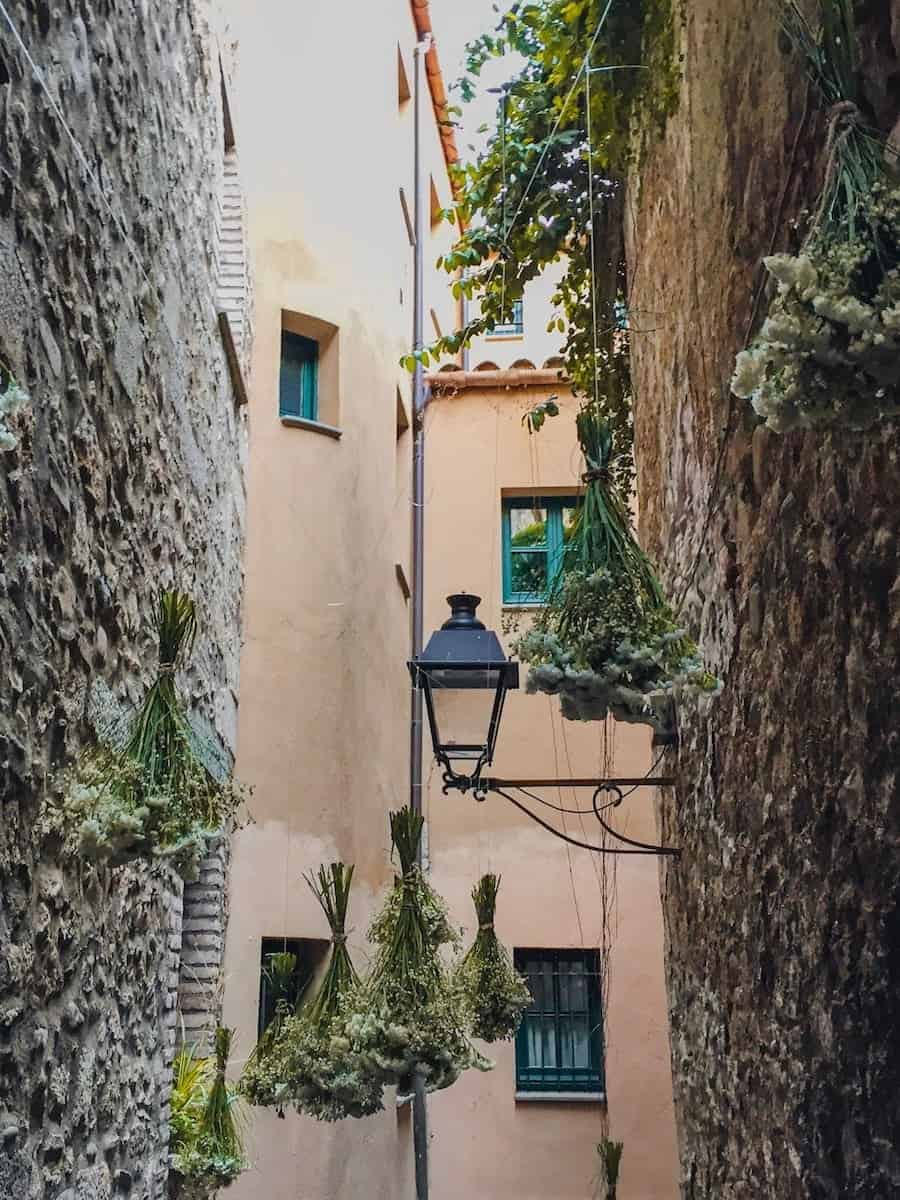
[[422, 16]]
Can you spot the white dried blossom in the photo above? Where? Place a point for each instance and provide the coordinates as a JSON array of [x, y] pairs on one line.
[[828, 353]]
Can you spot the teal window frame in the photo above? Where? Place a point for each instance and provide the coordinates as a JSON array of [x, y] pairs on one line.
[[536, 1077], [298, 381], [309, 952], [552, 549], [515, 326]]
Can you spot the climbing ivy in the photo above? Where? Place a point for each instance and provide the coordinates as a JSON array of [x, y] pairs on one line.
[[525, 202]]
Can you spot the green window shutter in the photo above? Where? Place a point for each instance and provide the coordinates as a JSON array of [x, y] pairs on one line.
[[298, 384], [559, 1046], [534, 531]]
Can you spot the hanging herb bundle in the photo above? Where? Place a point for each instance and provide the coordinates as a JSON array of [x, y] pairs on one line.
[[309, 1063], [152, 796], [828, 353], [410, 1018], [205, 1145], [494, 993], [610, 1155], [280, 973], [607, 641], [13, 398]]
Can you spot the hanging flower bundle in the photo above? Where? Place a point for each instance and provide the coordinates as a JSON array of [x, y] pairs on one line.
[[205, 1144], [607, 641], [308, 1063], [152, 796], [409, 1019], [280, 975], [13, 398], [828, 353], [494, 993]]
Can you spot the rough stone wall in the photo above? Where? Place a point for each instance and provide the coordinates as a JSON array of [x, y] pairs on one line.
[[127, 478], [782, 916]]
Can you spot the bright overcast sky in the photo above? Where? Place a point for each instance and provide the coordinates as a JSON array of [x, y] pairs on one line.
[[455, 23]]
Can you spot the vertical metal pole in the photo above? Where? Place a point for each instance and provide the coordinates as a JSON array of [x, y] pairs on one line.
[[420, 1112]]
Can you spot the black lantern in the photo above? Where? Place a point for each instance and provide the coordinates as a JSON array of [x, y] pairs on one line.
[[465, 676]]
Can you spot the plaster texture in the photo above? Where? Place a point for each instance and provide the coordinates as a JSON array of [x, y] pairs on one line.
[[324, 727], [127, 478], [781, 921], [484, 1142]]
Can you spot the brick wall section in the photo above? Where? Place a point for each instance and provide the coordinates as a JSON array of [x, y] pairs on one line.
[[234, 284], [203, 943], [781, 916], [128, 477]]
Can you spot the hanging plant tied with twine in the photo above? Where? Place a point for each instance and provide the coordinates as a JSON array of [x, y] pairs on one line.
[[309, 1063], [152, 797], [494, 993], [409, 1019], [610, 1155], [206, 1147], [828, 353], [607, 641]]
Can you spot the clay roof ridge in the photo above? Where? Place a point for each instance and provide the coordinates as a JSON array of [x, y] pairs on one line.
[[422, 17]]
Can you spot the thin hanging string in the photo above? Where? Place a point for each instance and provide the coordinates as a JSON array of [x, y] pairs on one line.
[[76, 145], [556, 125], [593, 261], [565, 831], [503, 114]]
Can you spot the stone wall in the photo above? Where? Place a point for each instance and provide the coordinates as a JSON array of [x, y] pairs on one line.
[[127, 478], [781, 917]]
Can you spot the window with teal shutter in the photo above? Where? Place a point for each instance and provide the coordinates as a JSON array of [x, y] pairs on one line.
[[559, 1046], [298, 387], [536, 530]]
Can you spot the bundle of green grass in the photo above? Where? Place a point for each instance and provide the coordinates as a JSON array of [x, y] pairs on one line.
[[152, 796], [828, 353], [607, 641], [409, 1019], [305, 1059], [494, 993], [206, 1151]]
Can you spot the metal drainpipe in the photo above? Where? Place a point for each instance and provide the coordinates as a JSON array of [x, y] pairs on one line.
[[420, 1111]]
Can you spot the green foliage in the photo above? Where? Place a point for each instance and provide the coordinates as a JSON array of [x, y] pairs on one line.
[[13, 399], [536, 416], [205, 1147], [828, 353], [607, 640], [308, 1063], [610, 1154], [410, 1019], [153, 797], [494, 993], [525, 200]]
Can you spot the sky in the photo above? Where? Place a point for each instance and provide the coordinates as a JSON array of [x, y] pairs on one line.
[[455, 23]]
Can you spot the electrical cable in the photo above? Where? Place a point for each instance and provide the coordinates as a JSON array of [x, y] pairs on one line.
[[556, 125], [76, 145], [564, 837]]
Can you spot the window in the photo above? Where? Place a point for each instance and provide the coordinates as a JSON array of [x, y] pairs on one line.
[[277, 985], [515, 327], [559, 1046], [298, 387], [535, 532]]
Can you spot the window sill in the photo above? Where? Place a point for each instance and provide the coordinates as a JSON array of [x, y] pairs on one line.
[[313, 426], [560, 1097], [523, 605], [504, 337]]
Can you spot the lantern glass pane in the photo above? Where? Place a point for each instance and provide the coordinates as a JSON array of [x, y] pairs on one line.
[[463, 718]]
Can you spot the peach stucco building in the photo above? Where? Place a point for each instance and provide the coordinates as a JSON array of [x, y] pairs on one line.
[[323, 122]]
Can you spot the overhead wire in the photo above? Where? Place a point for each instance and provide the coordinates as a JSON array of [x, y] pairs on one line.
[[57, 110], [553, 131]]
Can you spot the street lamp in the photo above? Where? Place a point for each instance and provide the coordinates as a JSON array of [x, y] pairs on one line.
[[464, 676]]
